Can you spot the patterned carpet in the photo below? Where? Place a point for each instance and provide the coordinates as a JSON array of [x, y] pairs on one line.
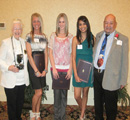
[[72, 112]]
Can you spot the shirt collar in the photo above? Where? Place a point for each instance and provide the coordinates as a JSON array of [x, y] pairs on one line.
[[111, 35]]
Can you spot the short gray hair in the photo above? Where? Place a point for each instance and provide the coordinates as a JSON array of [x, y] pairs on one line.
[[18, 21]]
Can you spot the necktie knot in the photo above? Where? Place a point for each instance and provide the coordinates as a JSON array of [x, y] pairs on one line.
[[106, 35]]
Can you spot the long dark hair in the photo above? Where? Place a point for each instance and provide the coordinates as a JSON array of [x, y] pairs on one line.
[[89, 35]]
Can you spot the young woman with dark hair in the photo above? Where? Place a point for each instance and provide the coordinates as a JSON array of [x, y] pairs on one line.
[[82, 49]]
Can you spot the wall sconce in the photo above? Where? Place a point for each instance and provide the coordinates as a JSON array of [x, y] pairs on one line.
[[2, 25]]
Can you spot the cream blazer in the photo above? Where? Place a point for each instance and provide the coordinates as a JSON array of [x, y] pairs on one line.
[[8, 78]]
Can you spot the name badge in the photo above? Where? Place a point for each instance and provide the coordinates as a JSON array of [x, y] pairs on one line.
[[79, 47], [36, 40], [119, 42]]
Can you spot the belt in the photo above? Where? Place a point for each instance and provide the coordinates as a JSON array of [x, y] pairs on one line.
[[37, 52], [62, 73], [99, 70]]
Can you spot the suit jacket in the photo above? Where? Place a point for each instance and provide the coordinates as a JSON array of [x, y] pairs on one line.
[[8, 78], [116, 70]]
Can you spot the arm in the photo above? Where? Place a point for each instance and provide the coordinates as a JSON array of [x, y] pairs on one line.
[[69, 72], [46, 62], [74, 44], [94, 40], [31, 61], [125, 64], [3, 65], [54, 71]]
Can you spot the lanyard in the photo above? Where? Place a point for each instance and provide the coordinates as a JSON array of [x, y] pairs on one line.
[[14, 52]]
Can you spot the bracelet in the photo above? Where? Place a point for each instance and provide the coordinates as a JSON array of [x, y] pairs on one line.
[[46, 70], [36, 71]]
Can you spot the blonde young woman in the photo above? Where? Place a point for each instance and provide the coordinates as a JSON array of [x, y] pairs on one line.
[[36, 44], [60, 58], [82, 49]]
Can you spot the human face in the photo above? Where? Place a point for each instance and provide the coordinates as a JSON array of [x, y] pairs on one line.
[[109, 24], [61, 23], [17, 30], [82, 26], [36, 23]]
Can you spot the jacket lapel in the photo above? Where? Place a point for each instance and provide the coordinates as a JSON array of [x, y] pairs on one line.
[[98, 37], [113, 45]]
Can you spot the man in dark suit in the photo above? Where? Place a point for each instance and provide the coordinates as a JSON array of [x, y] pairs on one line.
[[110, 68]]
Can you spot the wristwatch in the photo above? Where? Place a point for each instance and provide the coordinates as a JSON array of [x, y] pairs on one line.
[[46, 70], [37, 73]]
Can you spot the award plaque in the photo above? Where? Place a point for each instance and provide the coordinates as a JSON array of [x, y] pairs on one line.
[[39, 61], [61, 82], [83, 70]]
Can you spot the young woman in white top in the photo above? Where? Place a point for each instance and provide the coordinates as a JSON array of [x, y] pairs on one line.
[[60, 58]]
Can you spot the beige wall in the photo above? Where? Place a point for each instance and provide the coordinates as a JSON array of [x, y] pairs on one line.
[[95, 10]]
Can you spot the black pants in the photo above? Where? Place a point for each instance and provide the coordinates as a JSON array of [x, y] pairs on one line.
[[15, 100], [102, 96]]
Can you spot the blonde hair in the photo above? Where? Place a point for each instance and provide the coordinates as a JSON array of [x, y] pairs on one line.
[[41, 22], [66, 23]]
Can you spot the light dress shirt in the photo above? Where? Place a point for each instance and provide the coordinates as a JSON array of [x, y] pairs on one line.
[[108, 47]]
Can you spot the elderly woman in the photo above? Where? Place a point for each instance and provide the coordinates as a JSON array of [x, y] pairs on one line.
[[13, 60]]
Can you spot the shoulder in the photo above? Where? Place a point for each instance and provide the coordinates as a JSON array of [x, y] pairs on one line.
[[70, 35], [6, 41], [53, 34], [44, 35], [22, 40], [99, 34], [42, 38], [28, 35], [75, 39], [52, 37], [28, 38], [121, 36]]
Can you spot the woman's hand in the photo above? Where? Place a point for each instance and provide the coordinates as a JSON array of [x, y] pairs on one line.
[[77, 79], [38, 74], [55, 74], [43, 73], [13, 68], [69, 73]]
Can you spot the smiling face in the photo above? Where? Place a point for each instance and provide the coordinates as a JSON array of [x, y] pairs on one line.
[[110, 24], [17, 30], [36, 23], [82, 26], [61, 23]]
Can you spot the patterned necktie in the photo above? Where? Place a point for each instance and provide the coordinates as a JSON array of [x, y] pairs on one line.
[[102, 52]]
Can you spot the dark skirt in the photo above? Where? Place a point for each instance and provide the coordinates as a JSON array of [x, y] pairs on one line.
[[36, 82]]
